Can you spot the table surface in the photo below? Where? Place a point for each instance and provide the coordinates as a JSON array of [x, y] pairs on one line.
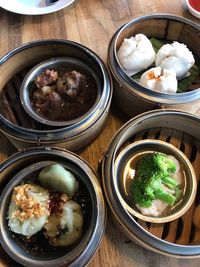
[[92, 23]]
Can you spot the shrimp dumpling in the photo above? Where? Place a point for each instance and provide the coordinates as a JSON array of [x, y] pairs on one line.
[[136, 54], [58, 178], [28, 211], [163, 81], [175, 56], [64, 229]]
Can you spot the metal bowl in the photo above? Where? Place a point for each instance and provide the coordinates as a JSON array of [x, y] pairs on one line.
[[188, 177], [61, 63], [129, 95], [15, 171], [19, 127]]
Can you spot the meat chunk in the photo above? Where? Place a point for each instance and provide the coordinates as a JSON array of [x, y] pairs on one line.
[[71, 84], [46, 98], [46, 78], [63, 95]]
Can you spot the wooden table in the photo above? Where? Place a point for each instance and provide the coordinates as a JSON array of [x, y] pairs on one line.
[[92, 23]]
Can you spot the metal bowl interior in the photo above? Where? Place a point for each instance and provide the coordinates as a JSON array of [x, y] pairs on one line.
[[79, 252], [188, 177], [63, 64]]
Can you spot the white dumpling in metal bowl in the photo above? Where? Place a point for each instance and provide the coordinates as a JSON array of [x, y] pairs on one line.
[[28, 211], [65, 228], [58, 178]]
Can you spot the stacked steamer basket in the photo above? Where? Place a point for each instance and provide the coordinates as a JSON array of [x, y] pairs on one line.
[[41, 144]]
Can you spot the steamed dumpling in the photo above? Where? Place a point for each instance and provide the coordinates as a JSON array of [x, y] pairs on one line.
[[58, 178], [160, 81], [28, 211], [175, 56], [136, 54], [65, 228]]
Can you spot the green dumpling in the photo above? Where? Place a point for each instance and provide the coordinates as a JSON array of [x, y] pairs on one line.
[[57, 177]]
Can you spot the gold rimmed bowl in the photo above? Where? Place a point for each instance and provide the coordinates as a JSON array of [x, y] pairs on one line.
[[124, 174]]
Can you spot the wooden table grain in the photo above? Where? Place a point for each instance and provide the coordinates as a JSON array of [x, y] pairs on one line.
[[92, 23]]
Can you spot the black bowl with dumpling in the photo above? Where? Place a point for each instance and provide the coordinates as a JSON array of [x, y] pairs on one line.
[[141, 39], [65, 223]]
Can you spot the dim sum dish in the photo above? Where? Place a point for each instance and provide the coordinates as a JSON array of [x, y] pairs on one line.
[[151, 181], [58, 94], [60, 91], [155, 181], [50, 213], [155, 62], [136, 54]]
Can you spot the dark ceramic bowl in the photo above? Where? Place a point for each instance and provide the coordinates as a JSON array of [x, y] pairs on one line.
[[40, 253]]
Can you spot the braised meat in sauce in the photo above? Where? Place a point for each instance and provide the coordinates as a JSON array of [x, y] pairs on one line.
[[63, 95]]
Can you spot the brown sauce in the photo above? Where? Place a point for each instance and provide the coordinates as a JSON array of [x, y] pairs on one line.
[[64, 96]]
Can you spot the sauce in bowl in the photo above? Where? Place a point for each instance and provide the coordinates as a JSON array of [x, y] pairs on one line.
[[63, 94], [195, 4]]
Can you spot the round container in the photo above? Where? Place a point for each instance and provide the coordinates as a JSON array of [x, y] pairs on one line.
[[193, 7], [119, 182], [59, 64], [18, 166], [129, 95], [179, 238], [20, 128]]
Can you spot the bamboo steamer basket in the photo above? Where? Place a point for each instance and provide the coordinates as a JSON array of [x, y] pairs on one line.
[[130, 96], [181, 237], [19, 127]]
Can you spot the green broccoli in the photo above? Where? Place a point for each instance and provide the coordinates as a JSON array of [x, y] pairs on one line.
[[152, 171]]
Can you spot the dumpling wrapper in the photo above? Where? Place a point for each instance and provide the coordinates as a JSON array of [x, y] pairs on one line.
[[160, 81], [58, 178], [35, 222], [175, 56], [66, 228], [136, 54]]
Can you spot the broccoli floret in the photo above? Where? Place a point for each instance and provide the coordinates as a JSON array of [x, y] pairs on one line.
[[152, 172], [165, 164]]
